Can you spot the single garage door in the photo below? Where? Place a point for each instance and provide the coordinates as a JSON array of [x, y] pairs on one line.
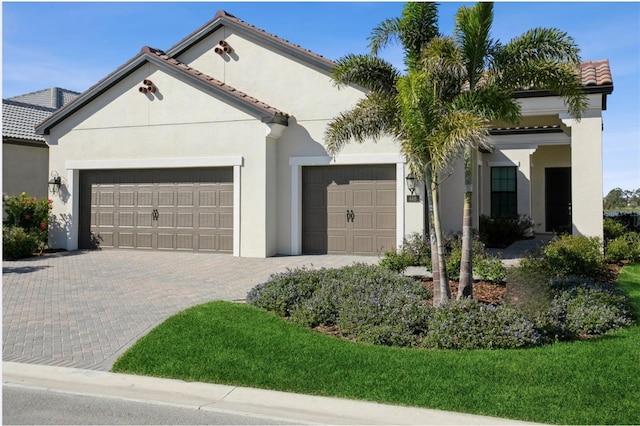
[[167, 209], [348, 209]]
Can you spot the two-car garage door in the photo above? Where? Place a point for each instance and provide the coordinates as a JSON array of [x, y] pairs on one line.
[[168, 209]]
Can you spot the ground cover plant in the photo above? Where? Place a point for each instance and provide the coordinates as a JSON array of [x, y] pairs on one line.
[[592, 381]]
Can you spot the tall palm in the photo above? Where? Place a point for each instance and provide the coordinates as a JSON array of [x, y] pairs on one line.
[[433, 134], [415, 109], [541, 58]]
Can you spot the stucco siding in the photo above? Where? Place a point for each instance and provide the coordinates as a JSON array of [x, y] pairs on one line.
[[289, 84], [25, 169]]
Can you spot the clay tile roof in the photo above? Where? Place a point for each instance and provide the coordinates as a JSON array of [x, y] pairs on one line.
[[596, 73], [219, 85]]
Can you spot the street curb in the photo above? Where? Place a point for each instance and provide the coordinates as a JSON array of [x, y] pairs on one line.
[[267, 404]]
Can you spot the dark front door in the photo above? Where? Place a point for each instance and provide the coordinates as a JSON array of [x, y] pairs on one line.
[[558, 199]]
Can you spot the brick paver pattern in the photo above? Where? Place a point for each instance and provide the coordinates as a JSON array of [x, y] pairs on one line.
[[84, 309]]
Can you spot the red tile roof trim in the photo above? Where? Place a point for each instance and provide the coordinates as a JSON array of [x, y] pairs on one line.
[[596, 73]]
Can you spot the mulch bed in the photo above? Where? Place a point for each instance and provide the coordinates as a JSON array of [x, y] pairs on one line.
[[483, 291]]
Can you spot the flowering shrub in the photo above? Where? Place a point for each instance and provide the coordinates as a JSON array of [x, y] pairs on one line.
[[583, 306], [368, 303], [469, 324], [26, 225], [375, 305]]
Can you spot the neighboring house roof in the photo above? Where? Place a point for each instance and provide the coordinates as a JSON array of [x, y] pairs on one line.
[[596, 76], [19, 120], [54, 97], [21, 114]]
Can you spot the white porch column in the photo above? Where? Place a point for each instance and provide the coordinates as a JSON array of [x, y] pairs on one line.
[[586, 174]]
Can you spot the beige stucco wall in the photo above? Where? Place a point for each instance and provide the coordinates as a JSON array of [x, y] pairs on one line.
[[178, 122], [586, 174], [25, 169]]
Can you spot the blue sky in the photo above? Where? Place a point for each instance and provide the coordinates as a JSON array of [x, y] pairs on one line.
[[75, 44]]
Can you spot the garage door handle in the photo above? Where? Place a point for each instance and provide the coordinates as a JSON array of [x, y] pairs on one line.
[[154, 214], [350, 215]]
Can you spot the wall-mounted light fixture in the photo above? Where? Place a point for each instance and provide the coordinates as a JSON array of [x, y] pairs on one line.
[[55, 182], [411, 185]]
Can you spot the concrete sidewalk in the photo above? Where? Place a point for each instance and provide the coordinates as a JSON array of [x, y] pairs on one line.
[[272, 405]]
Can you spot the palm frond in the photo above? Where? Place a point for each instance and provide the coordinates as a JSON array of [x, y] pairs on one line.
[[491, 101], [541, 43], [418, 26], [443, 62], [374, 116], [472, 32], [561, 78], [384, 34], [371, 72], [457, 130]]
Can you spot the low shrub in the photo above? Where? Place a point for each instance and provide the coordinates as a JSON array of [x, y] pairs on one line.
[[502, 231], [583, 306], [26, 226], [469, 324], [419, 246], [284, 292], [575, 255], [625, 247], [415, 251], [398, 261], [613, 229], [368, 303], [18, 243]]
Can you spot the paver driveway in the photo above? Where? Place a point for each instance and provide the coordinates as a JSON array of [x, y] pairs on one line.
[[84, 309]]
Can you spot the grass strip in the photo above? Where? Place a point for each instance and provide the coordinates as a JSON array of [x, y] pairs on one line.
[[596, 381]]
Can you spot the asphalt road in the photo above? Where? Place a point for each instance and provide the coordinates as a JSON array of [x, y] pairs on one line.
[[25, 405]]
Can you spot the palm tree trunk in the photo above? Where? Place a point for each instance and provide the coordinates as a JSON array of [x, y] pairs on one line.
[[433, 239], [465, 288], [444, 292]]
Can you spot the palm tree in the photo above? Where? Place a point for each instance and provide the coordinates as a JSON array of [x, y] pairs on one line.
[[415, 109], [433, 134], [541, 58]]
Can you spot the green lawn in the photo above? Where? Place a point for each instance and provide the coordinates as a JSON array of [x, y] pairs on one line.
[[586, 382]]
